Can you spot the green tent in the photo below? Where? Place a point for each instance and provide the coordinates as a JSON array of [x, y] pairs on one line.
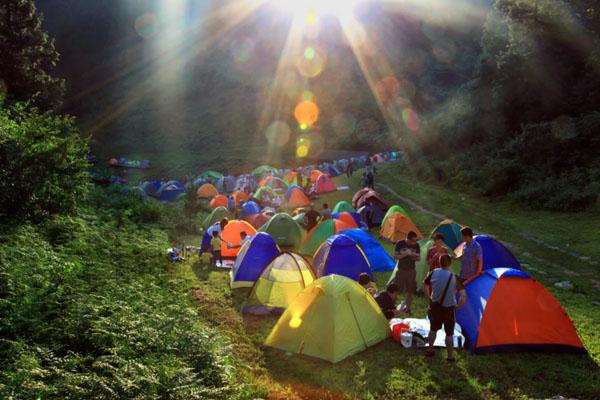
[[285, 231], [300, 219], [422, 267], [263, 170], [215, 216], [212, 175], [333, 318], [394, 209], [343, 206], [264, 190]]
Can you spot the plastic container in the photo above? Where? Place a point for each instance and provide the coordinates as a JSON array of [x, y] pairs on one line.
[[406, 340]]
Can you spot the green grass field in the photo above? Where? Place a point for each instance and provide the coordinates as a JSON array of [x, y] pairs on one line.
[[388, 371]]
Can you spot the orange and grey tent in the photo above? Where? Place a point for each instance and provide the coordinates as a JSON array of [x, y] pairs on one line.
[[219, 201], [314, 175], [240, 197], [231, 234], [207, 191], [507, 310], [396, 227], [297, 198]]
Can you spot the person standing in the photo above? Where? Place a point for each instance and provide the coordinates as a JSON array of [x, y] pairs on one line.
[[326, 212], [312, 218], [407, 252], [433, 256], [471, 261], [370, 179], [442, 305], [215, 248], [349, 169]]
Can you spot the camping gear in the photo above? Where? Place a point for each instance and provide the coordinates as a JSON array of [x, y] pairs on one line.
[[419, 330], [285, 231], [215, 216], [495, 254], [324, 184], [264, 192], [297, 198], [263, 170], [278, 284], [508, 310], [231, 234], [397, 226], [207, 191], [253, 257], [379, 260], [296, 178], [213, 176], [219, 200], [395, 209], [451, 232], [319, 234], [170, 191], [125, 163], [331, 319], [365, 195], [343, 206], [341, 255]]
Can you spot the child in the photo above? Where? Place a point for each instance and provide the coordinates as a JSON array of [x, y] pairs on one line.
[[365, 281], [215, 246]]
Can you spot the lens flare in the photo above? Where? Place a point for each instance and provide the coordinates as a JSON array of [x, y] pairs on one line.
[[312, 62], [278, 133], [309, 53], [146, 25], [295, 322], [302, 151], [307, 95], [306, 112], [411, 119]]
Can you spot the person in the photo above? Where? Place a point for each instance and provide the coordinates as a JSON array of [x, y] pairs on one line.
[[407, 252], [312, 218], [349, 169], [387, 301], [244, 236], [363, 180], [471, 261], [277, 202], [215, 248], [433, 256], [326, 212], [370, 179], [444, 286], [365, 281]]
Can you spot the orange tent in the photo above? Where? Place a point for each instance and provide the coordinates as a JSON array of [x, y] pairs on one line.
[[396, 227], [113, 162], [240, 197], [295, 178], [348, 219], [219, 201], [231, 235], [207, 191], [298, 198], [314, 175]]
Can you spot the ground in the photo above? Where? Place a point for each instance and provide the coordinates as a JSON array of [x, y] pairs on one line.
[[553, 247]]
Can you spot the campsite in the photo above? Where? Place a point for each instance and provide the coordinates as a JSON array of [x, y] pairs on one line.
[[281, 199]]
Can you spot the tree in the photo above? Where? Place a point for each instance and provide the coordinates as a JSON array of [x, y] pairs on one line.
[[28, 56]]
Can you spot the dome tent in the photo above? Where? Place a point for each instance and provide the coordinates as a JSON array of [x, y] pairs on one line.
[[215, 216], [324, 184], [331, 319], [341, 255], [207, 191], [284, 230], [212, 175], [507, 310], [395, 209], [297, 198], [343, 206], [170, 191], [451, 232], [379, 259], [225, 184], [253, 257], [397, 226], [320, 233], [245, 182], [495, 254], [258, 220], [263, 170], [278, 283], [219, 200], [231, 234], [250, 208]]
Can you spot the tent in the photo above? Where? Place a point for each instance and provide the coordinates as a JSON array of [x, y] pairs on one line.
[[365, 195], [508, 310], [320, 233], [240, 197], [300, 219], [225, 184], [274, 183], [278, 283], [396, 227], [231, 234], [325, 184], [291, 190], [495, 254], [170, 191], [263, 170], [451, 232], [264, 191], [250, 208], [297, 198], [151, 187], [258, 220], [215, 216], [219, 200], [377, 158], [252, 259], [349, 217], [246, 183], [343, 206], [314, 175], [341, 255], [379, 260], [331, 319], [331, 170], [395, 209], [212, 175], [207, 191], [284, 230], [296, 178]]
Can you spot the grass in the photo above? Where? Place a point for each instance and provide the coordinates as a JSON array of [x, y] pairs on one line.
[[386, 370]]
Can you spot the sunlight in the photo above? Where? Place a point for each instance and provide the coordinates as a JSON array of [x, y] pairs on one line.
[[311, 9]]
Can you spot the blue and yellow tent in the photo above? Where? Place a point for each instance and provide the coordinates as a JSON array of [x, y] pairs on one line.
[[253, 257], [341, 255]]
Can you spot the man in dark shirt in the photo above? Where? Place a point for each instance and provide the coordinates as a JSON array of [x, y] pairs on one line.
[[387, 301], [312, 218], [407, 252]]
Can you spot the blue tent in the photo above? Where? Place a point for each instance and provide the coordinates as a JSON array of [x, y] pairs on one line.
[[451, 232], [225, 184], [199, 182], [250, 208], [378, 258], [170, 191], [252, 259], [341, 255], [331, 170], [151, 187], [495, 254]]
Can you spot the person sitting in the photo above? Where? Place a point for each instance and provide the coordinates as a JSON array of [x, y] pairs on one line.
[[387, 301], [244, 237], [215, 248], [326, 212], [366, 282]]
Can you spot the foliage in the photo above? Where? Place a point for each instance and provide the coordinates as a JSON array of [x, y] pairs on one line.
[[44, 171], [28, 56]]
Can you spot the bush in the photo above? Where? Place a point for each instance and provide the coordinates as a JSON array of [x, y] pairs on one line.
[[43, 167]]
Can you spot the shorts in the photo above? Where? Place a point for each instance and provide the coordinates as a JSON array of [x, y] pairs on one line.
[[406, 279], [439, 316]]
